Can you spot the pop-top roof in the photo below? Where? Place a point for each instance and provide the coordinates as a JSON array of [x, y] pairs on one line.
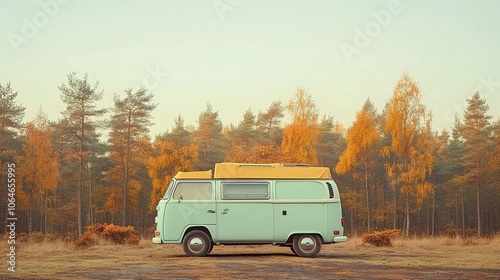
[[194, 175], [229, 170]]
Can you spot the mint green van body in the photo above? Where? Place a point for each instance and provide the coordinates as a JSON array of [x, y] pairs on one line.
[[201, 211]]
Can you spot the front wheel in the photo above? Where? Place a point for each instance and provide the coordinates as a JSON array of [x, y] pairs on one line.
[[306, 245], [197, 243]]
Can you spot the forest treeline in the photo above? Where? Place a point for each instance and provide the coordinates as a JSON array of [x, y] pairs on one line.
[[97, 165]]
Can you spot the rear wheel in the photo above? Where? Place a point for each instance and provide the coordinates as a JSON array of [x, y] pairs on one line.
[[291, 248], [306, 245], [197, 243]]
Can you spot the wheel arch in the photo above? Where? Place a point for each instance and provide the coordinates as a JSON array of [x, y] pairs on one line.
[[289, 240], [202, 228]]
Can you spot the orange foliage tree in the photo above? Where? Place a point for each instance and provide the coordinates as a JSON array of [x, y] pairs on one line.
[[300, 137], [38, 168], [360, 153], [409, 126], [263, 153], [168, 159]]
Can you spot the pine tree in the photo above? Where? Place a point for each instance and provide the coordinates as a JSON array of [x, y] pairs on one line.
[[11, 116], [269, 124], [129, 122], [476, 131], [80, 98], [209, 139]]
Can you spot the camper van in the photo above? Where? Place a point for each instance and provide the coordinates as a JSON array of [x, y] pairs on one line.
[[293, 205]]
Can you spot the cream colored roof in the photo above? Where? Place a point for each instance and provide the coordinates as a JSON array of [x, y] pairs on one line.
[[229, 170], [194, 175]]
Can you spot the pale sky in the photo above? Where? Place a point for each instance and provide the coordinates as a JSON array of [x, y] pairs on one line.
[[245, 54]]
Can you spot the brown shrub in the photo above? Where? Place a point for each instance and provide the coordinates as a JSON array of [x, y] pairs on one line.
[[380, 238], [36, 236], [108, 232]]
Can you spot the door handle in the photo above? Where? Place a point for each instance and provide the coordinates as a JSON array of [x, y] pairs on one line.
[[225, 211], [211, 211]]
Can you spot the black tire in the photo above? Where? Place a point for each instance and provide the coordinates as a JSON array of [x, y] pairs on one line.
[[306, 245], [197, 243], [291, 248]]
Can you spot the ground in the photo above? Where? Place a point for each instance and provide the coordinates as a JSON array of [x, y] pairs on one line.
[[436, 258]]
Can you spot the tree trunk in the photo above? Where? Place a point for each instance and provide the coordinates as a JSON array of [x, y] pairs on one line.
[[407, 215], [45, 214], [394, 216], [478, 184], [30, 223], [433, 214], [91, 218], [352, 222], [367, 199], [478, 210], [126, 177], [463, 216], [80, 176]]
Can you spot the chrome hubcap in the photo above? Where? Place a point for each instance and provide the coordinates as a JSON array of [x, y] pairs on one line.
[[307, 244], [196, 244]]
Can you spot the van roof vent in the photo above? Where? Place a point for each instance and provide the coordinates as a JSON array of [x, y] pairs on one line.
[[284, 164], [255, 165]]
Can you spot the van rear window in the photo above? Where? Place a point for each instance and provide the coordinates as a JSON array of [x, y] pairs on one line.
[[245, 191]]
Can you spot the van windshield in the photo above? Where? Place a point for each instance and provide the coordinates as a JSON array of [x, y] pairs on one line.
[[169, 189]]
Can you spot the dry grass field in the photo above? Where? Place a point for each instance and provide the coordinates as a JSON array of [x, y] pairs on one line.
[[432, 258]]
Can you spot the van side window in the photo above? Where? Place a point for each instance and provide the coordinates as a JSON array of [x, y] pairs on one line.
[[193, 191], [300, 190], [245, 190]]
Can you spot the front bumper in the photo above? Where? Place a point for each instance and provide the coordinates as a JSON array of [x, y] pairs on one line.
[[156, 240]]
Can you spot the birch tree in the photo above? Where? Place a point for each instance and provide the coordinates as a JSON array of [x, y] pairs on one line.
[[409, 125], [301, 136]]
